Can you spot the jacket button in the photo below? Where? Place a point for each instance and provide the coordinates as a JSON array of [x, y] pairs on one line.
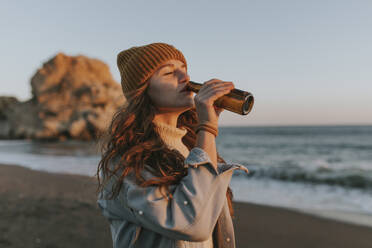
[[228, 239], [140, 212], [185, 202]]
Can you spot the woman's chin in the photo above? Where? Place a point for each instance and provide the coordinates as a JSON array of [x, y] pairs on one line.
[[191, 103], [184, 107]]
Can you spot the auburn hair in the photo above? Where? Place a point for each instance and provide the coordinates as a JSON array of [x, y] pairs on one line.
[[131, 136]]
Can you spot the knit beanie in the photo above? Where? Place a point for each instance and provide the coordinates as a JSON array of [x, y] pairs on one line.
[[138, 63]]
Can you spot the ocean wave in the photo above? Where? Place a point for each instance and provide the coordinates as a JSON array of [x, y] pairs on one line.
[[350, 178]]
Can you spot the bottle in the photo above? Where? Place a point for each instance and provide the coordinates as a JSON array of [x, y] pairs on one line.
[[238, 101]]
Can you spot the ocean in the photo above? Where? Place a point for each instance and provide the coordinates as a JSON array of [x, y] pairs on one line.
[[323, 170]]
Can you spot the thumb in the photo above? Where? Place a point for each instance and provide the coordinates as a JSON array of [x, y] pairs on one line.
[[218, 110]]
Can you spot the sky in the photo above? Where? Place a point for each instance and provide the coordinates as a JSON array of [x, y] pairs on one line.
[[305, 62]]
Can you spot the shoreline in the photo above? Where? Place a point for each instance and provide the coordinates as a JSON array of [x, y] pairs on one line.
[[356, 218], [341, 216], [60, 211]]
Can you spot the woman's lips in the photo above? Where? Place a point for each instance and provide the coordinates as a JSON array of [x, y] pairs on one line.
[[184, 89]]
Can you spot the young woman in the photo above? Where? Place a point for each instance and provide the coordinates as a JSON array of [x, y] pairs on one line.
[[161, 180]]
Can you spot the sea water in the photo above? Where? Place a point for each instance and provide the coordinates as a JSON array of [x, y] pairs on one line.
[[324, 170]]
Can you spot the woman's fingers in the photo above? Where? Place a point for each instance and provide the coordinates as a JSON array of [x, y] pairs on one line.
[[216, 83], [205, 98], [214, 86], [219, 88], [215, 93], [212, 90]]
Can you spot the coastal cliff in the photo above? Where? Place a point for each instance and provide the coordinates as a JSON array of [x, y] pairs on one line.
[[73, 97]]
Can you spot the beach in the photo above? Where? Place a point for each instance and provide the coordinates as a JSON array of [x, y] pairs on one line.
[[42, 209]]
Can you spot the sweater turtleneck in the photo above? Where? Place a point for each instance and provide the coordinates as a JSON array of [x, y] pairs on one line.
[[172, 136]]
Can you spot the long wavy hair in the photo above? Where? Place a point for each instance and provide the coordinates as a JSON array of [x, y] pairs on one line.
[[131, 136]]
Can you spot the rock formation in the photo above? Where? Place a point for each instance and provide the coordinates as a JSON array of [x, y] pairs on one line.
[[72, 97]]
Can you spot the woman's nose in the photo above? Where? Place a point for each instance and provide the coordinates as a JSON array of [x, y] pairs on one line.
[[185, 77]]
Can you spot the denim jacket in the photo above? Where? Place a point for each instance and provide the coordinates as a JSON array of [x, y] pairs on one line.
[[143, 217]]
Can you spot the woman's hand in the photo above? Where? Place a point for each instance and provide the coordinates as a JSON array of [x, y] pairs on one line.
[[204, 99]]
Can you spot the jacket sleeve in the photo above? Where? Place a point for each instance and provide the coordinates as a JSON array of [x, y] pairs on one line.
[[196, 204]]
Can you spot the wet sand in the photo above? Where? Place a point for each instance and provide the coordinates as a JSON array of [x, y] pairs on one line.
[[41, 209]]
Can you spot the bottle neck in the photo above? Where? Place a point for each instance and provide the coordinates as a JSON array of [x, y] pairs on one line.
[[194, 86]]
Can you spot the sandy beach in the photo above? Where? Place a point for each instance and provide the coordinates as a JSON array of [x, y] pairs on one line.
[[40, 209]]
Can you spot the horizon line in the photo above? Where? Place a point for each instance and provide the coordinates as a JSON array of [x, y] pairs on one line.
[[301, 125]]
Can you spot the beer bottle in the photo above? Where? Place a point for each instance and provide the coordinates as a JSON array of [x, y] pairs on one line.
[[238, 101]]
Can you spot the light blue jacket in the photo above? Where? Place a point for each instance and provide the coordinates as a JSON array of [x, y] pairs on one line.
[[143, 217]]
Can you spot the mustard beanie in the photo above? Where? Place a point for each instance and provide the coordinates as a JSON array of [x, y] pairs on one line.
[[138, 63]]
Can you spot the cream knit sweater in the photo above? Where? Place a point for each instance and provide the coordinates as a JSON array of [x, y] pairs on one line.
[[172, 137]]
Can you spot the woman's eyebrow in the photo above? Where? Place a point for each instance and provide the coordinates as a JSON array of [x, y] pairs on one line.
[[171, 65]]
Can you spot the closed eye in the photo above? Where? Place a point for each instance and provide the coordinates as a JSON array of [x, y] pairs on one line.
[[183, 66]]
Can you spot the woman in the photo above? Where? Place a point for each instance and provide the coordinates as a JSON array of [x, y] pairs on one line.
[[161, 180]]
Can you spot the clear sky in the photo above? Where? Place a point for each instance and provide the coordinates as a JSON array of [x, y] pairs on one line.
[[306, 62]]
